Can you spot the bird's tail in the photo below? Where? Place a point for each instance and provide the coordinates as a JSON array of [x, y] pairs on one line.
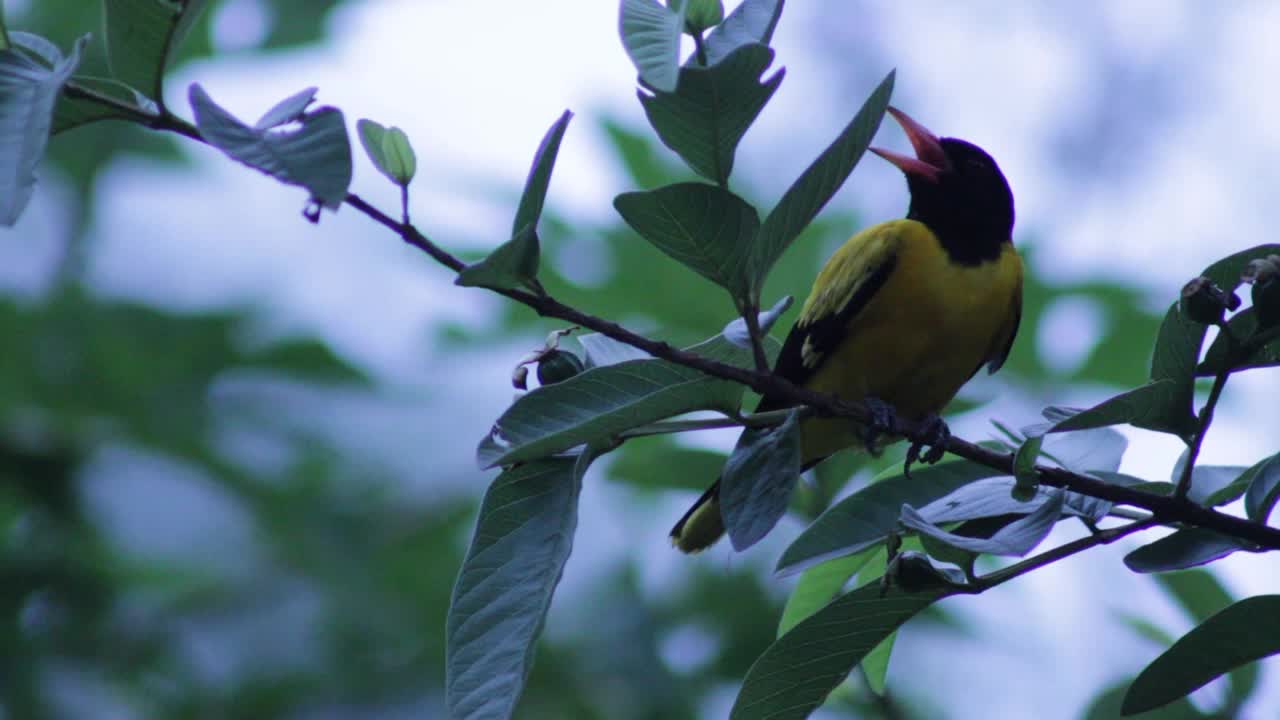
[[702, 525]]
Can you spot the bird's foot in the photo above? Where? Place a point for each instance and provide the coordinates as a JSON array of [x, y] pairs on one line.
[[884, 419], [936, 434]]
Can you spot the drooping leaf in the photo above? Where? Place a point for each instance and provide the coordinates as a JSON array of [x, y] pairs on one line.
[[1174, 359], [598, 404], [706, 228], [753, 21], [1244, 632], [316, 156], [794, 674], [511, 264], [758, 479], [1141, 407], [1183, 549], [704, 119], [1015, 539], [993, 497], [1237, 487], [142, 36], [864, 518], [815, 186], [522, 539], [600, 350], [287, 110], [1024, 468], [651, 35], [539, 178], [28, 91], [818, 585]]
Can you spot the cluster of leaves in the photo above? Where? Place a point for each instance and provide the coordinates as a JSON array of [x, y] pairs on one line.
[[701, 108]]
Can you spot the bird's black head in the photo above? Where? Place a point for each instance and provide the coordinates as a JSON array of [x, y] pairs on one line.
[[958, 191]]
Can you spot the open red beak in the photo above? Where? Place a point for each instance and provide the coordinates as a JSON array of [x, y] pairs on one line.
[[930, 159]]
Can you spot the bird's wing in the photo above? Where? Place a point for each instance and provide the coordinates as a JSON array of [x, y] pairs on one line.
[[844, 287], [1004, 339]]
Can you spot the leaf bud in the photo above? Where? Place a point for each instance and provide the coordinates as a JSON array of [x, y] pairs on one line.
[[558, 365], [1204, 302], [702, 14]]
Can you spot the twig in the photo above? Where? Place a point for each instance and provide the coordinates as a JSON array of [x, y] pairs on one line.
[[1102, 537], [751, 316]]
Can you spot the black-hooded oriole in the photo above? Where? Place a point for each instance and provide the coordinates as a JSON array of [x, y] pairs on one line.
[[905, 312]]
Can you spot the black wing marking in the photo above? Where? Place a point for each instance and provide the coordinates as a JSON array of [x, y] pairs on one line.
[[823, 335], [997, 361]]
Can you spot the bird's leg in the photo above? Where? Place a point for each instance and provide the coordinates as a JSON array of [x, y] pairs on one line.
[[883, 421], [937, 434]]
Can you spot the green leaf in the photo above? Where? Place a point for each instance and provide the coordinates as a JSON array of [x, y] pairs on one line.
[[511, 264], [818, 585], [758, 480], [539, 179], [29, 90], [1201, 595], [651, 35], [794, 674], [664, 465], [811, 191], [704, 119], [1182, 549], [736, 330], [316, 156], [1144, 407], [992, 497], [1106, 706], [598, 404], [141, 37], [876, 664], [753, 21], [72, 112], [1264, 489], [864, 518], [4, 32], [1243, 325], [600, 350], [1174, 359], [1015, 539], [1024, 468], [522, 539], [307, 359], [1244, 632], [706, 228]]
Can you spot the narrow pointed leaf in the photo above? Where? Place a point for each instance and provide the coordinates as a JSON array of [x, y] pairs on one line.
[[539, 178], [72, 112], [600, 350], [1141, 407], [1183, 549], [704, 119], [523, 537], [1174, 359], [1201, 595], [1237, 487], [736, 331], [511, 264], [797, 672], [1024, 468], [1015, 539], [1243, 324], [651, 35], [864, 518], [29, 90], [753, 21], [811, 191], [758, 479], [598, 404], [1244, 632], [706, 228], [316, 156]]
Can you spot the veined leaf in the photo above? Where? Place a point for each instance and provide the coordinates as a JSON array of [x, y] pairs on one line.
[[72, 112], [539, 179], [316, 156], [28, 92], [706, 228], [1015, 539], [753, 21], [523, 537], [651, 35], [598, 404], [758, 479], [1183, 549], [1244, 632], [794, 674], [142, 36], [818, 585], [705, 117]]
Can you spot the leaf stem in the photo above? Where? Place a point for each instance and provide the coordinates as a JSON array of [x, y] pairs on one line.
[[751, 316], [665, 427], [1102, 537], [699, 49], [1206, 413]]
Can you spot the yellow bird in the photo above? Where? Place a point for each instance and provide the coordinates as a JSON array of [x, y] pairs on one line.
[[905, 312]]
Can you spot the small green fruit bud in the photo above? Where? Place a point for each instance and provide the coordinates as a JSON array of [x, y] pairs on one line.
[[557, 366], [701, 15], [1204, 302], [520, 377]]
